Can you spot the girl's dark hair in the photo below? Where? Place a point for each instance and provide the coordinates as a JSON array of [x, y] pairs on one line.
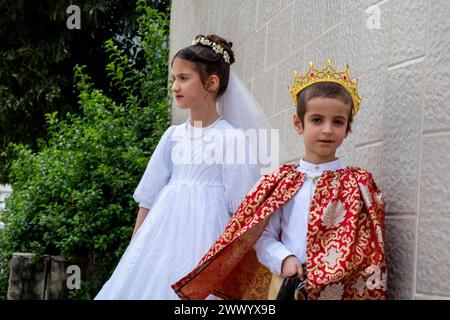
[[325, 90], [208, 62]]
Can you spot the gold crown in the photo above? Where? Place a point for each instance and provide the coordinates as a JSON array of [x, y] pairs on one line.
[[328, 74]]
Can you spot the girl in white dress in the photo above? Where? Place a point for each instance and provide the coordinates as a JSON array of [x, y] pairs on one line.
[[190, 188]]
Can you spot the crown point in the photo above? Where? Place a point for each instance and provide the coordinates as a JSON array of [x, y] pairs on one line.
[[329, 62]]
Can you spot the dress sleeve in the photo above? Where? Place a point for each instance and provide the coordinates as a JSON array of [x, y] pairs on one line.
[[157, 173], [240, 170]]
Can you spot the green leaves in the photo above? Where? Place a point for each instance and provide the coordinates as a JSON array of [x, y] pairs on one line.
[[38, 52], [74, 196]]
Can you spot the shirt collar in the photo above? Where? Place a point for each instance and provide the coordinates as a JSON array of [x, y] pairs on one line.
[[312, 168]]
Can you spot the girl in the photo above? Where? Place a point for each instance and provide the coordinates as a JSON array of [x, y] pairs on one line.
[[189, 189]]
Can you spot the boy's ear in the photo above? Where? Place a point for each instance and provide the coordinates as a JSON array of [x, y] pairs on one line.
[[349, 130], [297, 124], [212, 83]]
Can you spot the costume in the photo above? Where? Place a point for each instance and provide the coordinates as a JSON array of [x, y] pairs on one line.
[[191, 203], [343, 229], [286, 231], [345, 251]]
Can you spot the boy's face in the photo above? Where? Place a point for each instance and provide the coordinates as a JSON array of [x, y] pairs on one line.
[[324, 128]]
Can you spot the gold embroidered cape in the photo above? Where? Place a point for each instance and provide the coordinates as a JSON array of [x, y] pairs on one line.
[[345, 240]]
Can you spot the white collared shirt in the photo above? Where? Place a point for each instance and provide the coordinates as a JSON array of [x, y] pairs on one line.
[[285, 233]]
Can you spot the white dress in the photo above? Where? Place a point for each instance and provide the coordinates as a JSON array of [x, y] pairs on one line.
[[192, 191]]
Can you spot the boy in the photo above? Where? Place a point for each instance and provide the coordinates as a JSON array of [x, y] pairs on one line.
[[318, 220]]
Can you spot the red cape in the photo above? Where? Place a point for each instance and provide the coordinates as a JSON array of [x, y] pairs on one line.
[[345, 247]]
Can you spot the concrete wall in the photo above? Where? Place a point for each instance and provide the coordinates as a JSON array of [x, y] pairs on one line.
[[47, 278], [402, 132], [5, 190]]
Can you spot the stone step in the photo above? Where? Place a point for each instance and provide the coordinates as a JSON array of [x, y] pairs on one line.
[[48, 278]]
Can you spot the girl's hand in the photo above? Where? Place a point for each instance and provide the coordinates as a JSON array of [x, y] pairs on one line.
[[292, 266]]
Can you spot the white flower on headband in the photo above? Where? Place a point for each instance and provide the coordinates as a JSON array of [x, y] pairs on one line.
[[215, 46]]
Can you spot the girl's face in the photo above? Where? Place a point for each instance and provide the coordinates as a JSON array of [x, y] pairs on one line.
[[324, 128], [187, 87]]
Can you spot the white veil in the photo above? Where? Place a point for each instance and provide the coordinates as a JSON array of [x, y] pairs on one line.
[[239, 108]]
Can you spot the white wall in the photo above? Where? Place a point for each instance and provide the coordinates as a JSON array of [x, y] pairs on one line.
[[5, 190], [402, 132]]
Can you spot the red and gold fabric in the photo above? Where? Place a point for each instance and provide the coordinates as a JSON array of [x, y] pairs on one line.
[[345, 240]]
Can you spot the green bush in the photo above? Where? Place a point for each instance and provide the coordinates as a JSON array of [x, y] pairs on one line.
[[74, 196]]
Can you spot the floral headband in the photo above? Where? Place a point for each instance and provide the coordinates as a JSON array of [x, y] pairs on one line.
[[215, 46]]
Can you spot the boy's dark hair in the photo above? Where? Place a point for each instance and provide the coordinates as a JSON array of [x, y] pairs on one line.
[[325, 90], [208, 62]]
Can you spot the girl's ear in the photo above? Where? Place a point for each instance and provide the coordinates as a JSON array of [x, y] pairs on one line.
[[297, 124], [212, 83]]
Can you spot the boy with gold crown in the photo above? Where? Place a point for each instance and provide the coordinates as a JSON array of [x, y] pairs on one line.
[[318, 223]]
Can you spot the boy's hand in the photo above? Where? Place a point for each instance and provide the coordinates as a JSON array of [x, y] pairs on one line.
[[291, 266]]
